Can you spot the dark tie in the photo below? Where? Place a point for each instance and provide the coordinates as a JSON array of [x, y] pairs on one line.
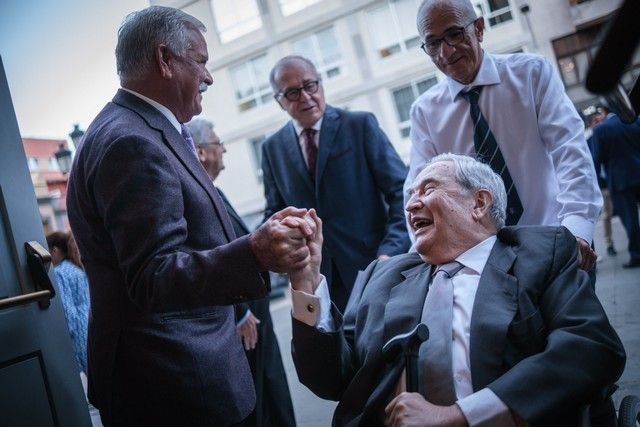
[[487, 151], [310, 150], [187, 137], [435, 354]]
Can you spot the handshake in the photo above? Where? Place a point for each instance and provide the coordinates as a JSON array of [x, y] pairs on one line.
[[291, 242]]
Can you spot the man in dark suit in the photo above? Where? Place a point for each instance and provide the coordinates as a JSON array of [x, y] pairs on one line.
[[616, 145], [520, 311], [340, 163], [253, 319], [158, 246]]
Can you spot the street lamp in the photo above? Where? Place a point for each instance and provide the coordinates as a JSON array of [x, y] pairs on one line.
[[63, 156], [76, 135]]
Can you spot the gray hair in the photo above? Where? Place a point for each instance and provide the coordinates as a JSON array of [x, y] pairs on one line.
[[289, 60], [198, 129], [142, 31], [473, 175], [464, 7]]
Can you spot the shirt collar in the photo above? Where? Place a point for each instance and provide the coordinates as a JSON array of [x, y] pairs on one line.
[[298, 127], [476, 257], [487, 75], [164, 110]]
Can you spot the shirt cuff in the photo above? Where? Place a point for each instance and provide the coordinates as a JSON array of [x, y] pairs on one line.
[[484, 408], [579, 227], [313, 310], [244, 319]]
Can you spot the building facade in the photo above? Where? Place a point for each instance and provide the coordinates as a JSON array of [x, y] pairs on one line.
[[368, 53]]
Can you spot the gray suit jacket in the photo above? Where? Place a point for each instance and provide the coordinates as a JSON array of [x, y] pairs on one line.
[[540, 339], [357, 190], [158, 248]]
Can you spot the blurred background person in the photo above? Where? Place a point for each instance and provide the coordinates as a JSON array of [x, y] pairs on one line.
[[607, 205], [73, 289], [253, 319], [616, 145]]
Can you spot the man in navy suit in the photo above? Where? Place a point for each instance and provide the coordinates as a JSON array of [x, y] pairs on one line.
[[616, 145], [158, 246], [519, 312], [340, 163]]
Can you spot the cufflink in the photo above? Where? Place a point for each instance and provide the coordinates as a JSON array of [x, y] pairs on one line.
[[311, 308]]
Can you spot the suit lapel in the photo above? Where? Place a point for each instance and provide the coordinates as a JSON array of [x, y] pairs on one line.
[[328, 132], [294, 157], [182, 152], [404, 308], [493, 311]]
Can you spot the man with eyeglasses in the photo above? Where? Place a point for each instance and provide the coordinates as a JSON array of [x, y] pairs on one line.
[[340, 163], [510, 111], [253, 319]]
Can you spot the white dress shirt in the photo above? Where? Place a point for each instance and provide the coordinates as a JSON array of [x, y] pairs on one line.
[[536, 127], [316, 138], [480, 408]]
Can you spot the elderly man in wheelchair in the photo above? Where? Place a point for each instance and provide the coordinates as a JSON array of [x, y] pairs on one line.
[[517, 335]]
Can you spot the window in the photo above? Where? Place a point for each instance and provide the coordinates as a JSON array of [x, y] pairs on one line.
[[32, 162], [251, 83], [393, 27], [322, 49], [289, 7], [495, 12], [404, 96], [256, 145], [53, 164], [235, 18]]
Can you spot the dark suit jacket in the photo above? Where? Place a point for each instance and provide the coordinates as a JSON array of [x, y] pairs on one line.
[[357, 190], [616, 145], [540, 339], [155, 240], [273, 400]]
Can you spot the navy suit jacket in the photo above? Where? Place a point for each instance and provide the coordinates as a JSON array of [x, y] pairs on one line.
[[357, 189], [164, 268], [533, 313], [616, 145]]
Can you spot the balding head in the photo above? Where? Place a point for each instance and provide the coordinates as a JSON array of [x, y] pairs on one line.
[[461, 8]]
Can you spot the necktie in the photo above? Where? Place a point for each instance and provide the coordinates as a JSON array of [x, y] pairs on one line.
[[487, 151], [310, 150], [435, 354], [187, 137]]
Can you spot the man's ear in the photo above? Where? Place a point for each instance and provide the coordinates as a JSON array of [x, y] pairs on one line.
[[483, 200], [163, 57], [479, 28], [201, 154]]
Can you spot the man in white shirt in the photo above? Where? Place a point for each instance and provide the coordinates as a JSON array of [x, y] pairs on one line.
[[534, 124], [521, 310]]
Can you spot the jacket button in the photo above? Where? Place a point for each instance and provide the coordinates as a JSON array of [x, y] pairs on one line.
[[311, 308]]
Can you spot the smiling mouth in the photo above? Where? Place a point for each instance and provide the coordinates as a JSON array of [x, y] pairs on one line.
[[420, 223]]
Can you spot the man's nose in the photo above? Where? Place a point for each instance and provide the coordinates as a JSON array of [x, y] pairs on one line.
[[412, 203], [208, 79], [445, 50]]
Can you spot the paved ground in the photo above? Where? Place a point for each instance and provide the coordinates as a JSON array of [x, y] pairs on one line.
[[617, 288]]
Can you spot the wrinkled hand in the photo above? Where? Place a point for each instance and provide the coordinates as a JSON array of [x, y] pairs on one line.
[[412, 410], [383, 257], [248, 332], [307, 278], [281, 248], [586, 255]]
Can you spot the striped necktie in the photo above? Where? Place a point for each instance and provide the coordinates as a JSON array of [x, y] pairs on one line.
[[187, 137], [487, 151], [310, 150]]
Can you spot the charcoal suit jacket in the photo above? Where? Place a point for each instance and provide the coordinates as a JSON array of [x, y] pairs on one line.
[[164, 269], [539, 338]]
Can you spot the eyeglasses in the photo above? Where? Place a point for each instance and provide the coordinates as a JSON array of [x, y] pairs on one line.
[[452, 37], [219, 143], [294, 93]]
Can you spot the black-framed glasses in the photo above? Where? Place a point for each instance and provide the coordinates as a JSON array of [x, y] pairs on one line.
[[293, 94], [452, 37], [218, 143]]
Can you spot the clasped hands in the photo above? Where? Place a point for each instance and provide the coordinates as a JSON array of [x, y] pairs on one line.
[[291, 242]]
